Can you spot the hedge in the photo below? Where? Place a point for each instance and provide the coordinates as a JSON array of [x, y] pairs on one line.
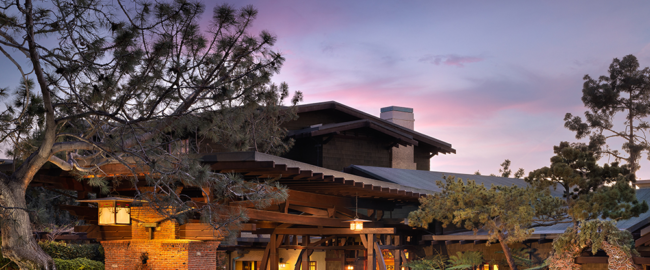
[[78, 264], [65, 251]]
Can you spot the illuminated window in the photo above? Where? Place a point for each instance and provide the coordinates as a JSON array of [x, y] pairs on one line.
[[312, 265], [248, 265]]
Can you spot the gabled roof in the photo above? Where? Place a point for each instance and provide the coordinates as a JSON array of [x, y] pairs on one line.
[[382, 125], [403, 138]]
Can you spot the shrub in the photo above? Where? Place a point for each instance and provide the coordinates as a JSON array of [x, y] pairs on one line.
[[77, 264], [72, 251]]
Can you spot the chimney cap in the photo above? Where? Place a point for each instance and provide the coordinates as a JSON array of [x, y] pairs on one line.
[[397, 108]]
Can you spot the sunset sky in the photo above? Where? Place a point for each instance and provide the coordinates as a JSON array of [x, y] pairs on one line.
[[493, 78]]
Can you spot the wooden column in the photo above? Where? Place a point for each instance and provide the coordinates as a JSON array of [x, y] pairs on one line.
[[371, 254], [273, 256], [305, 259], [398, 259]]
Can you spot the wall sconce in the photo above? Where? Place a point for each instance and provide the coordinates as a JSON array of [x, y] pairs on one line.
[[113, 210], [406, 254], [350, 267], [282, 264]]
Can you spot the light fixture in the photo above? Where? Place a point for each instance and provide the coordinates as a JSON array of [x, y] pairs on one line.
[[282, 264], [486, 266], [113, 210], [356, 224], [350, 267], [495, 267], [403, 268], [406, 254]]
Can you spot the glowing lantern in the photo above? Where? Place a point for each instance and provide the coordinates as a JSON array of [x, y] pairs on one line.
[[282, 264], [113, 210], [496, 267], [350, 267], [356, 224]]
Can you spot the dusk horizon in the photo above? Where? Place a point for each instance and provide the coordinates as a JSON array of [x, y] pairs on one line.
[[493, 79]]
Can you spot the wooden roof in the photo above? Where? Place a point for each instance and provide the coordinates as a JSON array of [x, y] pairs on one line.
[[421, 139], [309, 178]]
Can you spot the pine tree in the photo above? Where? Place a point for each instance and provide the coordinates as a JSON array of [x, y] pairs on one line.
[[590, 192], [126, 82], [508, 214], [625, 91]]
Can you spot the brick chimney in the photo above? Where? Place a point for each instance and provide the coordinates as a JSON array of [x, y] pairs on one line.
[[402, 157]]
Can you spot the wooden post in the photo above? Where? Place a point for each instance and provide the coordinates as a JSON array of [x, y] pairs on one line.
[[274, 253], [398, 259], [370, 248], [381, 264], [305, 259]]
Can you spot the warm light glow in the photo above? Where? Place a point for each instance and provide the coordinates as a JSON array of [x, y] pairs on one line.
[[283, 265], [486, 267], [403, 268], [496, 267], [359, 226], [350, 267], [406, 254], [107, 213], [356, 224]]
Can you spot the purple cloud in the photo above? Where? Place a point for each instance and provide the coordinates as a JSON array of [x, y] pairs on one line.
[[450, 59]]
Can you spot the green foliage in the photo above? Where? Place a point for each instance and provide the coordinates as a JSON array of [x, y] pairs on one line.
[[590, 191], [435, 262], [506, 171], [509, 211], [627, 91], [465, 260], [65, 251], [44, 206], [78, 264], [593, 233]]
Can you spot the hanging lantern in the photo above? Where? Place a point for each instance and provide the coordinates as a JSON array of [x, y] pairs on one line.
[[113, 210], [356, 224], [350, 267], [282, 264]]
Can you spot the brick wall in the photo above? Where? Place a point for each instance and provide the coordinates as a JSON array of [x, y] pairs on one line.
[[166, 230], [165, 251], [162, 254]]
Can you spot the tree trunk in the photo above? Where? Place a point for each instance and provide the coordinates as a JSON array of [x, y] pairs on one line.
[[18, 243], [506, 252]]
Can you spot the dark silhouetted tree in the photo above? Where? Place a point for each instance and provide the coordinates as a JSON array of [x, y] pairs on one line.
[[626, 92], [126, 82]]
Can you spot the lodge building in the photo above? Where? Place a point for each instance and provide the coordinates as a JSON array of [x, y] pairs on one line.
[[344, 163]]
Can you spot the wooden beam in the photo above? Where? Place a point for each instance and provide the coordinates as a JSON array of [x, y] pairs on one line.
[[641, 241], [294, 219], [370, 249], [380, 257], [641, 260], [305, 258], [398, 258], [310, 210], [265, 257], [335, 231], [273, 256]]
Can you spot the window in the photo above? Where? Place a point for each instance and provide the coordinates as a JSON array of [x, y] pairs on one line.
[[179, 147], [248, 265], [312, 265]]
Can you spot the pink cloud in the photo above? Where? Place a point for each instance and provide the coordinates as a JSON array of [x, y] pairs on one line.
[[450, 59]]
